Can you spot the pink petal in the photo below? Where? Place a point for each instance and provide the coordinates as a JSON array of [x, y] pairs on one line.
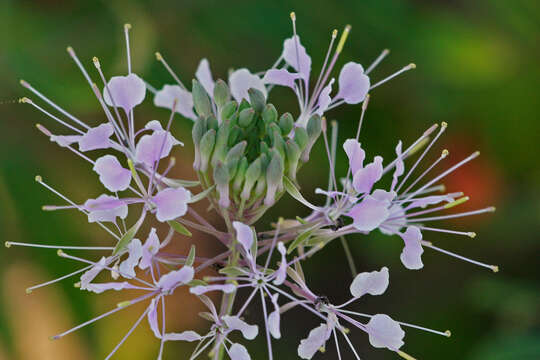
[[152, 318], [373, 283], [369, 214], [244, 235], [171, 280], [240, 81], [280, 77], [189, 336], [94, 271], [127, 91], [101, 287], [238, 352], [324, 98], [202, 289], [316, 339], [65, 140], [295, 55], [394, 226], [105, 208], [399, 166], [281, 272], [411, 256], [204, 75], [274, 319], [150, 248], [151, 148], [353, 83], [96, 138], [111, 174], [355, 154], [184, 101], [364, 179], [235, 323], [171, 203], [135, 251], [385, 332]]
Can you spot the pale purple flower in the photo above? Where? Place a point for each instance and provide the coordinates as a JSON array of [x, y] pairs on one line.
[[111, 174], [175, 95], [171, 203], [125, 92]]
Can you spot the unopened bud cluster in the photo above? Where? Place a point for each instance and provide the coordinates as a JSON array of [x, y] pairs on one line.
[[245, 149]]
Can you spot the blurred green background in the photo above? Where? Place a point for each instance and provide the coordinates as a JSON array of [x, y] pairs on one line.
[[477, 70]]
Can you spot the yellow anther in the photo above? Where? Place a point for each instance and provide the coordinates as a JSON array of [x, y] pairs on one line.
[[444, 124], [495, 268], [123, 304], [7, 244], [322, 349], [158, 56], [456, 202], [343, 38], [411, 66], [492, 209], [127, 26], [59, 252], [448, 333], [69, 49], [420, 145], [28, 291], [293, 16], [472, 235], [445, 153], [25, 100], [77, 285], [38, 178], [23, 83], [334, 33], [96, 62]]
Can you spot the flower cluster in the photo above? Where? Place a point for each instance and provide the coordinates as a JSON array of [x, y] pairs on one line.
[[247, 157]]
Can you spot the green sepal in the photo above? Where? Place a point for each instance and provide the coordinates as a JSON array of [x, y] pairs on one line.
[[179, 228]]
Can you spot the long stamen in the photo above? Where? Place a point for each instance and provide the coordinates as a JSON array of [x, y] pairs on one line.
[[268, 340], [444, 217], [274, 239], [443, 155], [127, 27], [117, 130], [494, 268], [32, 288], [125, 305], [160, 58], [333, 38], [50, 102], [377, 61], [438, 188], [406, 68], [80, 208], [442, 129], [95, 60], [465, 233], [412, 147], [14, 243], [337, 344], [449, 171], [26, 100], [128, 333], [332, 176], [73, 55], [300, 85]]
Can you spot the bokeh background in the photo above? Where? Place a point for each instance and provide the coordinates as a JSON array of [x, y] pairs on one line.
[[477, 70]]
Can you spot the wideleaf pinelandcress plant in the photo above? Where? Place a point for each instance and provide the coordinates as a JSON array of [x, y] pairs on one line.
[[247, 156]]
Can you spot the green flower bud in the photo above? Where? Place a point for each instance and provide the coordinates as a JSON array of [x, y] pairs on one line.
[[314, 128], [234, 136], [293, 155], [264, 148], [269, 114], [244, 104], [212, 122], [221, 93], [240, 175], [261, 185], [233, 157], [206, 147], [201, 101], [228, 110], [257, 99], [253, 172], [222, 139], [301, 137], [245, 117], [274, 177], [286, 123], [221, 178], [197, 132]]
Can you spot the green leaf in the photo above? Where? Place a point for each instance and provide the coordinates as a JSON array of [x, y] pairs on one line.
[[201, 195], [301, 238], [232, 271], [295, 193], [128, 236], [179, 228], [191, 257], [197, 282]]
